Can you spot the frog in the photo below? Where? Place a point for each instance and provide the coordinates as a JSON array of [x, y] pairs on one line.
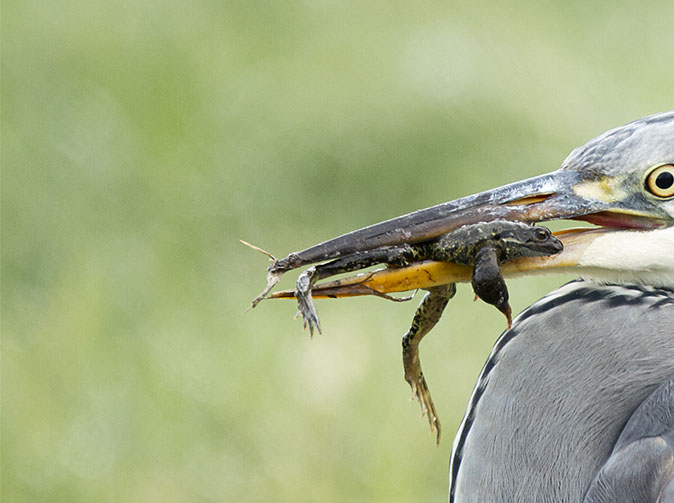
[[484, 246]]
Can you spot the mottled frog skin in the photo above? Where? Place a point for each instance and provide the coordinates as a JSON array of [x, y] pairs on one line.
[[484, 246]]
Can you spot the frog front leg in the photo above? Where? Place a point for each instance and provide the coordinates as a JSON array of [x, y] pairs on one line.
[[393, 255], [427, 315], [488, 283]]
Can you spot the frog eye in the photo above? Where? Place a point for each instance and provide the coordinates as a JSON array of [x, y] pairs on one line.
[[660, 181], [541, 234]]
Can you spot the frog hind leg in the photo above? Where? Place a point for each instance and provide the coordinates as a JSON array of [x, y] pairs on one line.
[[488, 283], [427, 315], [394, 255]]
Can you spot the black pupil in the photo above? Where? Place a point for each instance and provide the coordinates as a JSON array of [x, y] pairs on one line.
[[664, 180]]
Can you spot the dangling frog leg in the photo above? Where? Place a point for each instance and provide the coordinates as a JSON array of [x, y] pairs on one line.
[[488, 282], [427, 315]]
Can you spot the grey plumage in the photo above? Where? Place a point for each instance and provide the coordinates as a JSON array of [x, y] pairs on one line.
[[548, 410], [636, 146], [641, 466], [576, 401]]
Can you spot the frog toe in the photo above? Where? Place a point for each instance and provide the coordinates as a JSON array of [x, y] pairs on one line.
[[305, 302], [307, 310]]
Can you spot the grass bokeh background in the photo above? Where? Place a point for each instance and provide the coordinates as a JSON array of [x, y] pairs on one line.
[[142, 139]]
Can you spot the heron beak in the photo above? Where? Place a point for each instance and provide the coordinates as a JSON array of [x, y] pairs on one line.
[[561, 195]]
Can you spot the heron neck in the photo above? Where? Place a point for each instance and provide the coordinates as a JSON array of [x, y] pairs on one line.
[[556, 391]]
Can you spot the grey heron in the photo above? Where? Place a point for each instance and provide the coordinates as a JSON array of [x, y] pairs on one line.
[[576, 401]]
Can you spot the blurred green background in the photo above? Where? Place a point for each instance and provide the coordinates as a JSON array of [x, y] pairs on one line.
[[142, 139]]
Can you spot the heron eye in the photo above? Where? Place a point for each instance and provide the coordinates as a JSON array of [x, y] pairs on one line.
[[660, 181]]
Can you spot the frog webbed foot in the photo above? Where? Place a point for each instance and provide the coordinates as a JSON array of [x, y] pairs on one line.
[[415, 377], [427, 315], [488, 283], [305, 302]]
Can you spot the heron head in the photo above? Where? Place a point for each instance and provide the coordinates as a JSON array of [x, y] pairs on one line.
[[621, 181]]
